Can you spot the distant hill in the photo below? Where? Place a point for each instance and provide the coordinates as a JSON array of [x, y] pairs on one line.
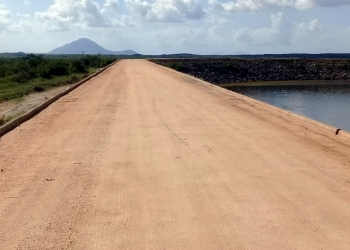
[[87, 46]]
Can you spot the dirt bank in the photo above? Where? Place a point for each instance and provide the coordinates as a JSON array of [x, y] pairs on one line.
[[12, 109]]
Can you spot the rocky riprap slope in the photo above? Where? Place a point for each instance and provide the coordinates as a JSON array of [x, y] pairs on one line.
[[219, 71]]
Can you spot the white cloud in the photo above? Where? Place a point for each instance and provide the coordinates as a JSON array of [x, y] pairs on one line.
[[7, 24], [65, 15], [167, 10], [211, 38], [218, 20], [5, 17], [254, 5], [280, 32], [124, 21], [110, 5], [312, 26], [282, 35], [287, 36], [27, 3], [20, 27], [4, 14], [313, 36], [310, 31]]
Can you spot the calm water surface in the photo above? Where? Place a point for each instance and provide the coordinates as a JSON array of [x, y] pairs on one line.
[[328, 103]]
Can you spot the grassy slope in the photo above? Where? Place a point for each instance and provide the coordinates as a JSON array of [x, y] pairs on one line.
[[11, 90], [23, 75]]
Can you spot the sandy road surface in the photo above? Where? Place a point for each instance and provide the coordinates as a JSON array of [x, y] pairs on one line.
[[142, 157]]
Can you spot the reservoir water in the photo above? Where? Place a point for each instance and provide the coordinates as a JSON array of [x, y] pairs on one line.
[[328, 102]]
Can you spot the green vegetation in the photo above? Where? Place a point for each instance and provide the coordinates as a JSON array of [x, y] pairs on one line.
[[178, 66], [21, 76], [4, 120]]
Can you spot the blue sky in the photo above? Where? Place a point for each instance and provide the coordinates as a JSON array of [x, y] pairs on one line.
[[175, 26]]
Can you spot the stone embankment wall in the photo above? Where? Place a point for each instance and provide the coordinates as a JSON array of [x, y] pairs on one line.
[[220, 71]]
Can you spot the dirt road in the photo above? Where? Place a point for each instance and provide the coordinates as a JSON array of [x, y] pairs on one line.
[[142, 157]]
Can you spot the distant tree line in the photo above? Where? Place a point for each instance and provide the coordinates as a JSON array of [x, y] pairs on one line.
[[32, 66]]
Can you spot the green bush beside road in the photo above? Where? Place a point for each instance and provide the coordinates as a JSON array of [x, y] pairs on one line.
[[21, 76]]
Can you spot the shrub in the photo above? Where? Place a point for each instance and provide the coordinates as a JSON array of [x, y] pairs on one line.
[[178, 66], [77, 66], [38, 89]]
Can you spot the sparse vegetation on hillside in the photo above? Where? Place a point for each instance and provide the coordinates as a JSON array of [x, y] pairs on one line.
[[21, 76]]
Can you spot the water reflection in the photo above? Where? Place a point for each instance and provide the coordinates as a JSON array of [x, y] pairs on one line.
[[328, 103]]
